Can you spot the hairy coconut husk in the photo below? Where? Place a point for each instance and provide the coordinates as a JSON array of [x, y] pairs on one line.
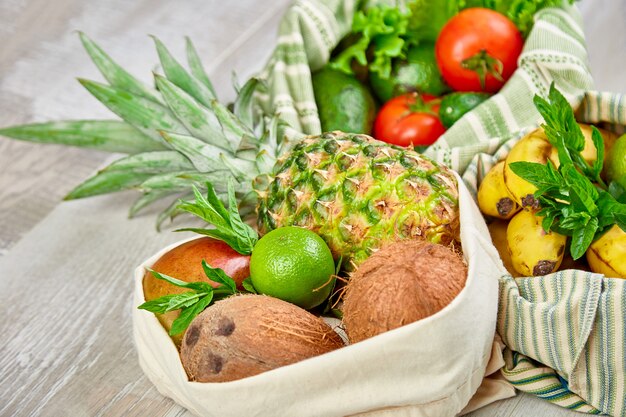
[[401, 283], [245, 335]]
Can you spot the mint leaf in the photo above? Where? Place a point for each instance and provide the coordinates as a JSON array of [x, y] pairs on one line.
[[184, 300], [158, 305], [596, 137], [574, 220], [533, 172], [547, 222], [617, 191], [248, 286], [198, 286], [229, 227], [246, 235], [219, 276], [582, 238], [188, 314]]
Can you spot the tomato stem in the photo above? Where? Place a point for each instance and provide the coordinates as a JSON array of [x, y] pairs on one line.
[[484, 64], [419, 105]]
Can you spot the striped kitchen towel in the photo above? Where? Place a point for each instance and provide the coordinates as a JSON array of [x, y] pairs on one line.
[[566, 339]]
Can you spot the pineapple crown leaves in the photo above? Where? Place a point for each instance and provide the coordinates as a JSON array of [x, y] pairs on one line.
[[229, 227], [176, 133]]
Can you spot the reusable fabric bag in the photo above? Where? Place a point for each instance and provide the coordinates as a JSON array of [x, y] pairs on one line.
[[428, 368]]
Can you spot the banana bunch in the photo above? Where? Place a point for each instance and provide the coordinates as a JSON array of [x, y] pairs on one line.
[[516, 230]]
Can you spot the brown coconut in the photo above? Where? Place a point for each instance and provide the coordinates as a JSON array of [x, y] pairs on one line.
[[401, 283], [185, 263], [245, 335]]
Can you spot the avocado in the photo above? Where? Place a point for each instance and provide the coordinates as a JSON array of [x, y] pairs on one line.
[[343, 103]]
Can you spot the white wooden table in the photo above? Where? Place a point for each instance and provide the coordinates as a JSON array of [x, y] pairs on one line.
[[65, 267]]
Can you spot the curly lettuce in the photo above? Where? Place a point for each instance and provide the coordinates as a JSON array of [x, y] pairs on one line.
[[384, 29]]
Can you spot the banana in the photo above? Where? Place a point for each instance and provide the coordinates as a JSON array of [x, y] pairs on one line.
[[533, 147], [497, 230], [589, 152], [493, 197], [533, 251], [607, 255]]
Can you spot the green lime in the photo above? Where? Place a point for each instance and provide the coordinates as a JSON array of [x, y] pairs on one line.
[[293, 264], [615, 163], [419, 72], [455, 105], [343, 103]]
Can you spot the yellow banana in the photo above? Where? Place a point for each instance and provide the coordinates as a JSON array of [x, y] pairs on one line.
[[533, 251], [607, 255], [497, 230], [533, 147], [589, 153], [493, 197]]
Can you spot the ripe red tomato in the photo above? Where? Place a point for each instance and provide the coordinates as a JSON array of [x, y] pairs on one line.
[[409, 120], [478, 43]]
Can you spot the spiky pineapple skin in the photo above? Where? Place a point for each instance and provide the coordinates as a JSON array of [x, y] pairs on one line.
[[358, 193]]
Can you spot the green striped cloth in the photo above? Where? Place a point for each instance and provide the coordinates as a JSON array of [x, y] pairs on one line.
[[564, 332], [572, 321]]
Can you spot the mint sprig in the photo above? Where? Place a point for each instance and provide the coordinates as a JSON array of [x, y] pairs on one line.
[[573, 198], [191, 303], [227, 222]]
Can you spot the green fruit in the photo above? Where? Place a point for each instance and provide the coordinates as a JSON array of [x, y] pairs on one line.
[[615, 163], [359, 194], [343, 103], [455, 105], [293, 264], [419, 72]]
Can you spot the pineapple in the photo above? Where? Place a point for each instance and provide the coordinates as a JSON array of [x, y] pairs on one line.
[[356, 192]]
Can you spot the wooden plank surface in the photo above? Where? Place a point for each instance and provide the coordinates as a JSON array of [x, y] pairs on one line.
[[65, 276]]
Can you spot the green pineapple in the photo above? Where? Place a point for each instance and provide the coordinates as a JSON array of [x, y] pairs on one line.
[[358, 193], [355, 192]]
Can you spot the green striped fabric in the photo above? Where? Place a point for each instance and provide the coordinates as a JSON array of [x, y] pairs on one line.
[[564, 332], [308, 32], [571, 323], [534, 378]]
